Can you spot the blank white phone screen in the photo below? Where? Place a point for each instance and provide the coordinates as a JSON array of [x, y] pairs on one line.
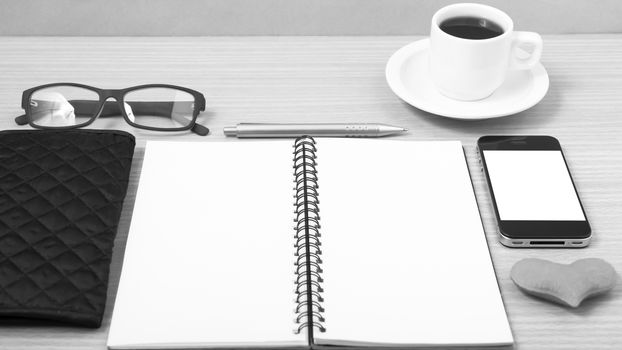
[[532, 185]]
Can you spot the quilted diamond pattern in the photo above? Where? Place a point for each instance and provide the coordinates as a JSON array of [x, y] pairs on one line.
[[61, 195]]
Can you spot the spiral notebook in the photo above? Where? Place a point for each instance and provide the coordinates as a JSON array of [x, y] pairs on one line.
[[312, 243]]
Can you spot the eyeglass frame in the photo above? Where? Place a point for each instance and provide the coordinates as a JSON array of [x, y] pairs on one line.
[[118, 95]]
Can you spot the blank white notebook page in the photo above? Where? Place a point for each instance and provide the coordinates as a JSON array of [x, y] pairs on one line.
[[405, 256], [209, 257]]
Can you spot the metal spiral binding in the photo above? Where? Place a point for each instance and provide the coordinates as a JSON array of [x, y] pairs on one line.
[[308, 253]]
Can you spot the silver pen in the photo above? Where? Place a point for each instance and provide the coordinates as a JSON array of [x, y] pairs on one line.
[[244, 130]]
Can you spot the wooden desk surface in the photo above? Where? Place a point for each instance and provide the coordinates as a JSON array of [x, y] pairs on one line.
[[341, 79]]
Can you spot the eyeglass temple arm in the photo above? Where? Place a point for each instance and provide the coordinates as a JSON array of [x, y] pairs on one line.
[[21, 120], [110, 109]]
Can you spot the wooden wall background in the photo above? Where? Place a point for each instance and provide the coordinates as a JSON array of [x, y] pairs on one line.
[[284, 17]]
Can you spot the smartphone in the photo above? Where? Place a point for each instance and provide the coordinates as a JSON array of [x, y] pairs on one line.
[[535, 200]]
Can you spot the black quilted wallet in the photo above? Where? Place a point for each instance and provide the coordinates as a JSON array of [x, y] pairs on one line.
[[61, 195]]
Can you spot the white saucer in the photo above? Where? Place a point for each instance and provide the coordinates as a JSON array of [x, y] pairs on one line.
[[407, 75]]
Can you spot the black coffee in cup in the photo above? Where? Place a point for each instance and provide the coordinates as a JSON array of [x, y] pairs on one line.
[[475, 28]]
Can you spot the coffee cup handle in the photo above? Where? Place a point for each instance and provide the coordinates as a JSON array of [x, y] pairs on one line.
[[528, 38]]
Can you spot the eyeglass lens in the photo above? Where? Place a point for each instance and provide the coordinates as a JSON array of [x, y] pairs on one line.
[[59, 106], [159, 107]]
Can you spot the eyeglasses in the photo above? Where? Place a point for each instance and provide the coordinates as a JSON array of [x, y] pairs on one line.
[[156, 107]]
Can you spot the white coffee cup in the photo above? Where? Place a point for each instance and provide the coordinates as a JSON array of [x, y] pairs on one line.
[[472, 69]]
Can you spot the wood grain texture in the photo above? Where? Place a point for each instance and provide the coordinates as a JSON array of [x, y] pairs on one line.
[[341, 79]]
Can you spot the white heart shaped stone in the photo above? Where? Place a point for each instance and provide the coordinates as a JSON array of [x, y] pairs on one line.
[[566, 284]]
